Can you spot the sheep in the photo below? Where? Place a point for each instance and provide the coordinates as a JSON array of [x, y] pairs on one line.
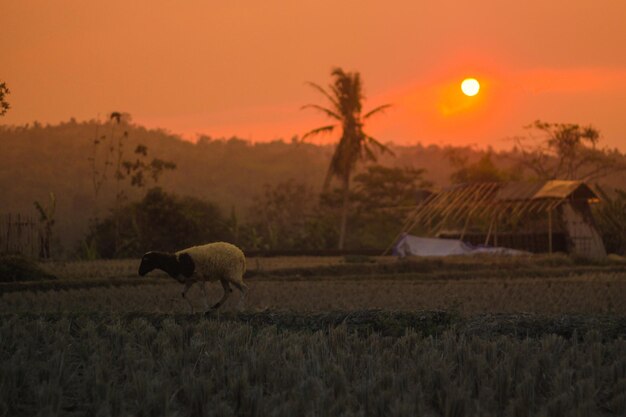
[[210, 262]]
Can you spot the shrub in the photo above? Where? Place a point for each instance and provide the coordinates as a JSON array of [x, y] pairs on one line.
[[610, 216], [18, 268], [160, 221]]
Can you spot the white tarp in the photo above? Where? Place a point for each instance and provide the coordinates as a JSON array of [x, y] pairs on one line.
[[424, 246]]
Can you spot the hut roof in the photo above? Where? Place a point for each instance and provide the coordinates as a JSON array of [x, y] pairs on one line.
[[518, 191], [558, 189], [461, 201], [565, 189]]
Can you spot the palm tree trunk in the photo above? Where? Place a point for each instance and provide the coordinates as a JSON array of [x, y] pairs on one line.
[[344, 210]]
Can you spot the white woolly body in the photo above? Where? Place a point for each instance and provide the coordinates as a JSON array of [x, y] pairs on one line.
[[217, 261]]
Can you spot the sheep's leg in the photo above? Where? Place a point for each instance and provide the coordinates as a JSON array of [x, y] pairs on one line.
[[244, 292], [206, 296], [188, 285], [227, 291]]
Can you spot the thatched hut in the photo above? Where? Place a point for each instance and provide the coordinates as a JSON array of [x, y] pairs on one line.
[[543, 216]]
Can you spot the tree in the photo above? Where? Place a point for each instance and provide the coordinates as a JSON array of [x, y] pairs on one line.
[[160, 221], [345, 97], [380, 187], [567, 151], [46, 222], [382, 198], [138, 171], [483, 170], [610, 215], [4, 104], [280, 213], [285, 216], [104, 151]]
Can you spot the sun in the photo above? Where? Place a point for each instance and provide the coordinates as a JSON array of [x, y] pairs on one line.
[[470, 86]]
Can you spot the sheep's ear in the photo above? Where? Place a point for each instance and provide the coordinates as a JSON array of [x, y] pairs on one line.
[[145, 265], [187, 265]]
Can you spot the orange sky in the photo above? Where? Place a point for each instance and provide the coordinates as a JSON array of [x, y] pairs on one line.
[[238, 68]]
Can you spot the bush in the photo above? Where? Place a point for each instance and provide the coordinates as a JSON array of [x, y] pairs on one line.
[[160, 221], [610, 216], [18, 268]]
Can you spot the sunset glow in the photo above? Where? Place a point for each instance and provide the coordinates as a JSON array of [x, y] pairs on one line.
[[241, 71], [470, 87]]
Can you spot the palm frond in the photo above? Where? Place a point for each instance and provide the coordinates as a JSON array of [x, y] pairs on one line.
[[324, 92], [337, 92], [42, 212], [338, 72], [376, 110], [381, 147], [357, 92], [367, 154], [328, 112], [323, 129]]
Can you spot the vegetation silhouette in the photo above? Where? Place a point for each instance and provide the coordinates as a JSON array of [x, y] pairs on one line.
[[610, 216], [483, 170], [113, 155], [567, 151], [380, 200], [160, 221], [231, 173], [4, 104], [345, 97], [46, 223]]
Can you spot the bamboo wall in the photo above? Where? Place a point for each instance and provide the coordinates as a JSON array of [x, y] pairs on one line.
[[19, 234]]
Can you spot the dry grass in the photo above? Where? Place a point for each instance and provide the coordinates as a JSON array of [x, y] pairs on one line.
[[164, 366], [319, 265], [109, 268], [599, 293], [543, 336]]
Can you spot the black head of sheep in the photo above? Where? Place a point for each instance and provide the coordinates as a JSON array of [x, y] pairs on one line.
[[150, 261], [168, 262]]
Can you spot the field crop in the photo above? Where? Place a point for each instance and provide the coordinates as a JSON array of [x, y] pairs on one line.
[[107, 268], [164, 365], [542, 336], [599, 293]]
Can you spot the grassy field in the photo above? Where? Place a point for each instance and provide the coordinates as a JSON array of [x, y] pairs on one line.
[[540, 336], [538, 285]]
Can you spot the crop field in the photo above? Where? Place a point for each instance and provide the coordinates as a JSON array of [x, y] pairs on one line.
[[540, 336]]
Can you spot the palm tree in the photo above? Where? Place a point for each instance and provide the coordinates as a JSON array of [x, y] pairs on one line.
[[345, 97], [4, 104]]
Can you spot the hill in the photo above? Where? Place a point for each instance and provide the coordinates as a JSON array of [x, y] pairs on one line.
[[36, 160]]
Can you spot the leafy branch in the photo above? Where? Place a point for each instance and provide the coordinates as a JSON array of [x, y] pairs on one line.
[[4, 105]]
